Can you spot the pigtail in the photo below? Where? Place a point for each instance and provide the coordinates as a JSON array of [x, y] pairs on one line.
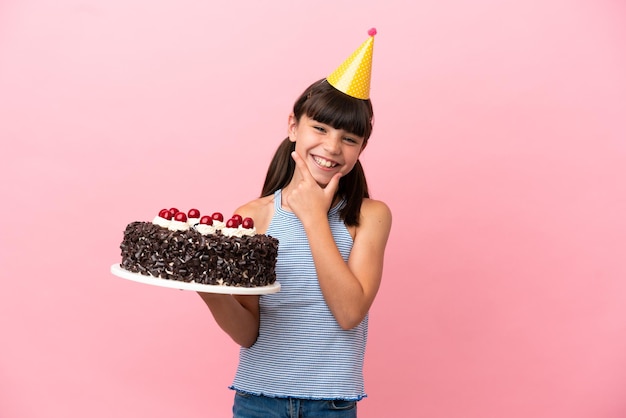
[[281, 168], [353, 189]]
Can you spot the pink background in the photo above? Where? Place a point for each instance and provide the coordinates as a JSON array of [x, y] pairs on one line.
[[499, 144]]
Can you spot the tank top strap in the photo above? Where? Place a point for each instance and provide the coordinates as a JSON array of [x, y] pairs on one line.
[[278, 199]]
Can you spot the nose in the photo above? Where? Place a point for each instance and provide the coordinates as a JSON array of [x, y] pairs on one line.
[[332, 145]]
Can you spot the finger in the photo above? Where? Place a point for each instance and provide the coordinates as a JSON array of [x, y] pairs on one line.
[[301, 166], [332, 186]]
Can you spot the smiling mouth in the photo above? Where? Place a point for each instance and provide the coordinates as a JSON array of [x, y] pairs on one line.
[[324, 162]]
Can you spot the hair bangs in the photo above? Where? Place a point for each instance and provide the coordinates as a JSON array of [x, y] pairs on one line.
[[330, 106]]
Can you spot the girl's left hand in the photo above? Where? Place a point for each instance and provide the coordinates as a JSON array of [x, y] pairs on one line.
[[307, 199]]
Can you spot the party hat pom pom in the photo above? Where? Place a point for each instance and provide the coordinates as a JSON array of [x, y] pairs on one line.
[[371, 32]]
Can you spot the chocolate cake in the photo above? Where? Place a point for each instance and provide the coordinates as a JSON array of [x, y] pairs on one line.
[[171, 247]]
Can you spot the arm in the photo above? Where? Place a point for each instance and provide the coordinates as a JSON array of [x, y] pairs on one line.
[[348, 288], [237, 315]]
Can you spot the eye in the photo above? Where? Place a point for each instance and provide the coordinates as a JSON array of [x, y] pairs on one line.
[[319, 128], [350, 140]]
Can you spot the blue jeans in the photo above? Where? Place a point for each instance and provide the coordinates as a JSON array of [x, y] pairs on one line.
[[252, 406]]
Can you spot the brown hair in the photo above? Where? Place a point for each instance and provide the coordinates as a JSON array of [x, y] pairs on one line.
[[324, 103]]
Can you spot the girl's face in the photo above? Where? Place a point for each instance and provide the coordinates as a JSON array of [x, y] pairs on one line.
[[325, 150]]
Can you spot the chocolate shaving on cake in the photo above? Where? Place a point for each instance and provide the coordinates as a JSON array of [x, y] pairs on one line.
[[188, 256]]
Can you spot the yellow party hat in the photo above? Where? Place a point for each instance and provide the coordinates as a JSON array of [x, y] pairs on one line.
[[352, 77]]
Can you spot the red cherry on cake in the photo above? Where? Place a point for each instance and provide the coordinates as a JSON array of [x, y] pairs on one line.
[[232, 223], [193, 213], [218, 217], [180, 217], [206, 220], [174, 211], [165, 214], [247, 223], [238, 218]]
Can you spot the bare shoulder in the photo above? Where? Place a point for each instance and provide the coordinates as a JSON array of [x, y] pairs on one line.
[[260, 210], [375, 211], [374, 221]]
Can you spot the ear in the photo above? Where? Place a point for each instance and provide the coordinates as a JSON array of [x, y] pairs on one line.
[[292, 125]]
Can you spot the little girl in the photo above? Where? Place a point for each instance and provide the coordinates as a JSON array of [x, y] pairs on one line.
[[302, 348]]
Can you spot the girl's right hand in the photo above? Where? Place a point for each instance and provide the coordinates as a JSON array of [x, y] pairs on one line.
[[306, 198]]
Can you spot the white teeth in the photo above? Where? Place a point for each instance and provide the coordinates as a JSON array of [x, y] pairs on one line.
[[324, 163]]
